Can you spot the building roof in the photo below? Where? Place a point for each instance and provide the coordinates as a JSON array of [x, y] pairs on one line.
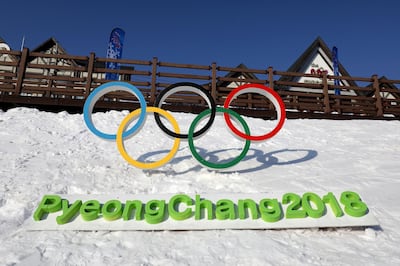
[[237, 74], [383, 83], [47, 46], [299, 63], [49, 43]]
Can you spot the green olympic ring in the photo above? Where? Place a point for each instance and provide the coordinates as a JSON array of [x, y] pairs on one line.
[[200, 159]]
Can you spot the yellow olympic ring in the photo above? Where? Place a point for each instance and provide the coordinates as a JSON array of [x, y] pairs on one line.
[[142, 165]]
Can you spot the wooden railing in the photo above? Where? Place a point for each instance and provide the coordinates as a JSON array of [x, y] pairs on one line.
[[63, 82]]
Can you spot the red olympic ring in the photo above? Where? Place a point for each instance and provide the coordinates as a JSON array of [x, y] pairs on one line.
[[267, 92]]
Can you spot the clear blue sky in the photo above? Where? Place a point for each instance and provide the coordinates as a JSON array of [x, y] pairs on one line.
[[254, 32]]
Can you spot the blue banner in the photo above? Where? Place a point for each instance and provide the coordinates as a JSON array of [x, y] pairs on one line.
[[114, 51], [336, 68]]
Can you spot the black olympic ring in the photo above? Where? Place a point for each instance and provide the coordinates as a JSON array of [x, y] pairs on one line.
[[185, 86]]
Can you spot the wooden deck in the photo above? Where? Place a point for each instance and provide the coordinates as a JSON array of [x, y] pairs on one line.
[[63, 82]]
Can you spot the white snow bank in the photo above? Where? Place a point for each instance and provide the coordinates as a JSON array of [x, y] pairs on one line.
[[43, 153]]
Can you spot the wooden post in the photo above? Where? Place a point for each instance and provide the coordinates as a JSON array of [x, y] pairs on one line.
[[270, 77], [271, 84], [378, 102], [153, 80], [250, 101], [214, 81], [89, 74], [21, 70], [327, 107], [49, 86]]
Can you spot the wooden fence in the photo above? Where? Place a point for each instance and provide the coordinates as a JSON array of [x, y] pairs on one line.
[[62, 82]]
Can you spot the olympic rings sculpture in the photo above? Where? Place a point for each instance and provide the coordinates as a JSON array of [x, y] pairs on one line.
[[141, 113]]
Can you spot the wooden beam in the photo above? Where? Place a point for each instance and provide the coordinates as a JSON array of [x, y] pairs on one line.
[[21, 71], [89, 76], [214, 81], [153, 89], [327, 107], [378, 99]]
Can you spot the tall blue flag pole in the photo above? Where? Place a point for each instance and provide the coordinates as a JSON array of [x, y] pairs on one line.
[[336, 68], [114, 51]]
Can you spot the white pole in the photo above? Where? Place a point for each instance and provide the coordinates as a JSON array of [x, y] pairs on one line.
[[23, 42]]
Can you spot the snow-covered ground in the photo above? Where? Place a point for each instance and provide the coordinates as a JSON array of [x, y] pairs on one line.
[[47, 153]]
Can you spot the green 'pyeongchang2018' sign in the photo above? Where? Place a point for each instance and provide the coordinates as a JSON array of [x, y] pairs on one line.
[[197, 212]]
